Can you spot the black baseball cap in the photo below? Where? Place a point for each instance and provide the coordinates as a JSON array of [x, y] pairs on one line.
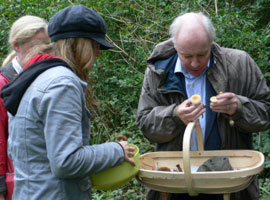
[[79, 21]]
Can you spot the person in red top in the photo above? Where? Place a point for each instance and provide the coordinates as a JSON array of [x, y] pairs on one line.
[[25, 33]]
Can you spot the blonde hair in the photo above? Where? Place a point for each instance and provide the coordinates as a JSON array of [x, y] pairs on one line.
[[79, 53], [22, 30]]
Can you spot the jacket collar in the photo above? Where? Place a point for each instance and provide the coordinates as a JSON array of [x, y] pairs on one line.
[[166, 49], [215, 74], [13, 92]]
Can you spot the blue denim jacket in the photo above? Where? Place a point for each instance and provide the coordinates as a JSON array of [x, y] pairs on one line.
[[49, 140]]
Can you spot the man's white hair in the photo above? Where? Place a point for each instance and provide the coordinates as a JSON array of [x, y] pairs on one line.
[[180, 20]]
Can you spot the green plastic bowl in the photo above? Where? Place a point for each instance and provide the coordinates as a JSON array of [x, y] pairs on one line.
[[117, 176]]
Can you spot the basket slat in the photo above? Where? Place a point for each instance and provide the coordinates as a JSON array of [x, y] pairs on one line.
[[246, 164]]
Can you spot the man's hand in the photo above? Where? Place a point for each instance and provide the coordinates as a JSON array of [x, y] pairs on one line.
[[188, 112], [226, 103]]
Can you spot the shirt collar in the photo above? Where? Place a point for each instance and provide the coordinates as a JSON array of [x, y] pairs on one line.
[[180, 69], [16, 65]]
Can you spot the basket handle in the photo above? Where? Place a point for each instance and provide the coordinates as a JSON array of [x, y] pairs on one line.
[[186, 154]]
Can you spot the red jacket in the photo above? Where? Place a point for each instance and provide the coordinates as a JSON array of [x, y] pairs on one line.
[[6, 166]]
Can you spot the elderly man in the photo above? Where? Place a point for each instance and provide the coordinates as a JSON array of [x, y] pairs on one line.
[[191, 63]]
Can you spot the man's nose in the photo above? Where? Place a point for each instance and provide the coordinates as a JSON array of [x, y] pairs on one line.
[[195, 62]]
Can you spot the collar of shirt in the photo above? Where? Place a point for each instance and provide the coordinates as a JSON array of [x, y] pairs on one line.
[[16, 65], [179, 68]]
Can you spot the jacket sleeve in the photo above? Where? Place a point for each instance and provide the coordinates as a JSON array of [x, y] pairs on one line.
[[61, 110], [254, 111], [155, 119], [3, 141]]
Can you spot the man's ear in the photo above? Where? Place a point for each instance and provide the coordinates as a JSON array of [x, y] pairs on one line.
[[16, 46]]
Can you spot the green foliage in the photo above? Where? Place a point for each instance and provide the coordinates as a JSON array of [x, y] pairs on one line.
[[133, 190], [262, 144], [240, 27], [135, 27]]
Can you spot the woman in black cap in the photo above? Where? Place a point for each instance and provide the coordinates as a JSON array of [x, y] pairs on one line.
[[49, 142]]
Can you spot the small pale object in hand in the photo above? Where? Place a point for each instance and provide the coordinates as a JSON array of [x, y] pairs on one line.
[[195, 99], [213, 99]]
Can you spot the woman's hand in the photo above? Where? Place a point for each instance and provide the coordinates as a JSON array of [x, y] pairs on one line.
[[129, 152]]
